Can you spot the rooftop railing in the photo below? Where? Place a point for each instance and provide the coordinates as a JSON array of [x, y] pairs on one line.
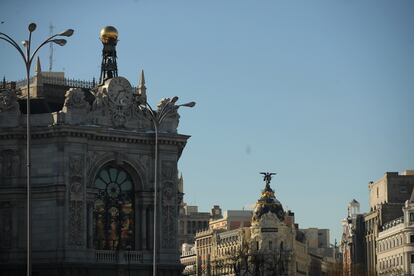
[[55, 80]]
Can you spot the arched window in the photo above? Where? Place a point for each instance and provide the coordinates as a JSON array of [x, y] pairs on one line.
[[114, 209]]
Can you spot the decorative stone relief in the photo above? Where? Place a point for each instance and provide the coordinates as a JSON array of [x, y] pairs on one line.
[[9, 109], [76, 177], [170, 123], [76, 203], [5, 225], [91, 159], [76, 223], [168, 170], [145, 161], [8, 101], [169, 215], [9, 163], [75, 99], [75, 108], [100, 105], [116, 105]]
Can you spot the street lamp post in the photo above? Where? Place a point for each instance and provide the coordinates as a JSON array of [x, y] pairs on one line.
[[157, 117], [27, 59]]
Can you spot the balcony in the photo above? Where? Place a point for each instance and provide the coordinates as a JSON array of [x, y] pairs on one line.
[[119, 257]]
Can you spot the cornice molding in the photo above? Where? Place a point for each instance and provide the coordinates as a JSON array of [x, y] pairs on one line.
[[95, 133]]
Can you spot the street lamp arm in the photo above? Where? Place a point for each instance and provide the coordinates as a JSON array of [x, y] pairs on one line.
[[172, 107], [157, 117], [14, 44], [165, 114], [167, 105], [29, 60], [147, 108], [10, 40], [49, 40]]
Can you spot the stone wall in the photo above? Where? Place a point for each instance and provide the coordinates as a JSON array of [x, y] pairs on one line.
[[67, 150]]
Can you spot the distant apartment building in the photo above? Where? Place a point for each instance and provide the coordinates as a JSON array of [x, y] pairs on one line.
[[395, 244], [189, 259], [265, 241], [232, 219], [352, 241], [317, 239], [191, 221], [386, 199]]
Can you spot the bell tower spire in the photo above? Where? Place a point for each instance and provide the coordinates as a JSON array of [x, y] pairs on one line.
[[109, 68]]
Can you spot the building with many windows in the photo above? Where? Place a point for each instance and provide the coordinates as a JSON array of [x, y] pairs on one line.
[[190, 222], [386, 199], [270, 243], [353, 242], [189, 259], [395, 244]]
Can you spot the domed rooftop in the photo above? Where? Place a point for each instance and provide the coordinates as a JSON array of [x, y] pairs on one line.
[[268, 202]]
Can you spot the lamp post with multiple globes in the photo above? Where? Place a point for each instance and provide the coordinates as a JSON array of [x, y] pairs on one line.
[[157, 117], [28, 57]]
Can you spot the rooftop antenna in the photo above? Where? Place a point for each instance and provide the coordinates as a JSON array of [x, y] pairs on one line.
[[51, 48]]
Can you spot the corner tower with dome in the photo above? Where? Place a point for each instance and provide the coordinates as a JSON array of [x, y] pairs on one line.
[[271, 245], [276, 246], [93, 149]]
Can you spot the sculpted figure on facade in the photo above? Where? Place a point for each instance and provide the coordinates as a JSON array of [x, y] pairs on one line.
[[171, 122], [75, 99], [8, 101], [75, 107], [9, 109], [10, 163]]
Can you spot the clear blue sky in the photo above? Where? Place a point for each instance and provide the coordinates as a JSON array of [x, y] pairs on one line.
[[320, 92]]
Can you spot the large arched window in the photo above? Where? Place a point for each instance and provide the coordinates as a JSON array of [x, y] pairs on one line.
[[114, 209]]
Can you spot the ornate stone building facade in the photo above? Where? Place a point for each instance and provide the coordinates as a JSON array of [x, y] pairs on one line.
[[271, 245], [92, 180], [395, 244]]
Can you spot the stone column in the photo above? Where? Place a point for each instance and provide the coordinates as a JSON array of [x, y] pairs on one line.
[[141, 221], [149, 227]]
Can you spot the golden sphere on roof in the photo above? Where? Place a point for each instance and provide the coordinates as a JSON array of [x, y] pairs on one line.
[[108, 34]]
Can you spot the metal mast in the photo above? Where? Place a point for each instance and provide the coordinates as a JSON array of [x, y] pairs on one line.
[[109, 68], [50, 48]]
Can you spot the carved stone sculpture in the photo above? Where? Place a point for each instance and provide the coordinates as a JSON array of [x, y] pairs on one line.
[[9, 109], [76, 203], [8, 101], [117, 106], [75, 108], [170, 122], [169, 215], [10, 163]]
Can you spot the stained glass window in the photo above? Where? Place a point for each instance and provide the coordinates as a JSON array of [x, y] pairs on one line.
[[114, 209]]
